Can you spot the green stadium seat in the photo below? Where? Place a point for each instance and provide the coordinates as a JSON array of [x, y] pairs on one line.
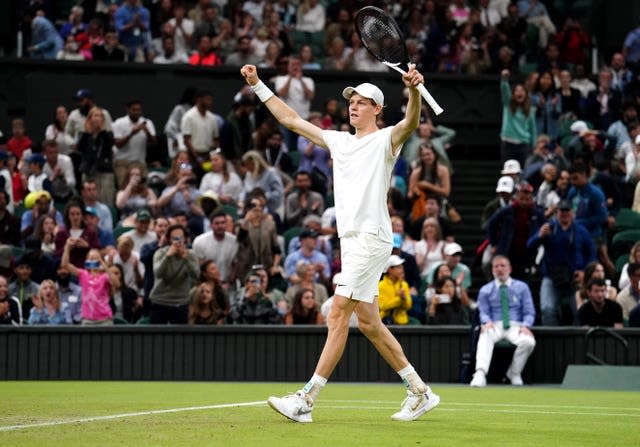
[[623, 241], [118, 231], [231, 210], [627, 219], [620, 262], [144, 320], [119, 320]]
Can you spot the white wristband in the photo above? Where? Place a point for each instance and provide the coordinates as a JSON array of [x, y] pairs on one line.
[[262, 91]]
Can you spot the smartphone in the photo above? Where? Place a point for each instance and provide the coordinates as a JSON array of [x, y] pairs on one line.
[[443, 298]]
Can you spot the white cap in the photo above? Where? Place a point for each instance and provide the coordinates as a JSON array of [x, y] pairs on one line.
[[365, 90], [579, 127], [505, 184], [394, 261], [452, 248], [511, 167]]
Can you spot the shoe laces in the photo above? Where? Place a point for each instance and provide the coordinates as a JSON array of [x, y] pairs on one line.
[[300, 395]]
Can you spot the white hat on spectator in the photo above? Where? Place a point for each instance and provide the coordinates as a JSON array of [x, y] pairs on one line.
[[394, 261], [452, 249], [511, 167], [579, 127], [505, 184]]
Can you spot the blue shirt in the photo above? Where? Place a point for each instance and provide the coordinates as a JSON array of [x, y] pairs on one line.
[[521, 308], [42, 317], [45, 40], [124, 16], [589, 207], [291, 262], [71, 299], [27, 220]]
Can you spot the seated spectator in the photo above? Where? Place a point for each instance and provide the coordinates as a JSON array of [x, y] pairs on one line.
[[23, 288], [629, 297], [592, 270], [313, 223], [504, 191], [6, 178], [9, 224], [204, 309], [603, 104], [135, 195], [19, 141], [182, 198], [37, 204], [407, 243], [394, 296], [224, 182], [45, 232], [59, 171], [460, 272], [47, 308], [429, 178], [37, 180], [110, 49], [224, 43], [309, 254], [581, 81], [569, 96], [302, 201], [10, 312], [95, 281], [253, 307], [106, 240], [314, 158], [182, 29], [141, 234], [304, 309], [271, 55], [70, 51], [42, 264], [169, 54], [70, 295], [243, 55], [260, 175], [204, 54], [129, 260], [506, 312], [445, 306], [599, 311], [84, 238], [305, 272], [558, 193], [176, 269], [209, 274], [634, 256], [429, 249], [219, 246], [125, 302], [90, 193]]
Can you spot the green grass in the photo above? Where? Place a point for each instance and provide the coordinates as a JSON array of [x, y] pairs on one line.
[[345, 415]]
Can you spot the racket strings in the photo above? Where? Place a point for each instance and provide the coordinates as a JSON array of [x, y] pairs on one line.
[[382, 38]]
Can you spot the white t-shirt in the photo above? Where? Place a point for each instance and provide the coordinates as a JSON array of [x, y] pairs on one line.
[[361, 177], [136, 147], [222, 252], [295, 97], [214, 181], [140, 240], [431, 258], [202, 129]]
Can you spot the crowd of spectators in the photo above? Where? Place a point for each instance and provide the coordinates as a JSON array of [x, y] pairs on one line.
[[236, 224]]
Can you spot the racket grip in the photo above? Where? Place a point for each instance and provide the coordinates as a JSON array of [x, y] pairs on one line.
[[427, 97]]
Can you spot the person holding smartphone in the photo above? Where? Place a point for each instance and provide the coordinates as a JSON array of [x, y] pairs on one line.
[[445, 306], [176, 270]]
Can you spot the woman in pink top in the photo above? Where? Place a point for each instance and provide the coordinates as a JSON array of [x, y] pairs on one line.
[[95, 281]]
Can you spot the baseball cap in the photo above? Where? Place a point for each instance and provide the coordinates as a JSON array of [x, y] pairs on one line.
[[307, 233], [394, 261], [34, 196], [565, 204], [524, 186], [143, 215], [511, 167], [37, 158], [505, 184], [365, 90], [90, 210], [579, 127], [83, 93], [452, 248]]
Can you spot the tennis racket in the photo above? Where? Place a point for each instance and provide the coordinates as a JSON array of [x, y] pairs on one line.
[[381, 36]]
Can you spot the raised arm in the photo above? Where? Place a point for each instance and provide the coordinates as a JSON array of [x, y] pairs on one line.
[[409, 123], [285, 115]]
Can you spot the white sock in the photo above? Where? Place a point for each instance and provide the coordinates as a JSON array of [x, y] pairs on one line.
[[412, 380], [314, 385]]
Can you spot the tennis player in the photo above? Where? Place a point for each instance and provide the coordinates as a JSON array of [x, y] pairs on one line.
[[362, 165]]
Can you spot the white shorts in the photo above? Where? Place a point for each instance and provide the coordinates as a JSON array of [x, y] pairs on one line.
[[363, 257]]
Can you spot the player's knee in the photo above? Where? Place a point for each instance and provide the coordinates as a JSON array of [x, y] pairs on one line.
[[369, 328]]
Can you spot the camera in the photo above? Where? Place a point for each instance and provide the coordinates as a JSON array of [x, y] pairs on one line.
[[443, 298]]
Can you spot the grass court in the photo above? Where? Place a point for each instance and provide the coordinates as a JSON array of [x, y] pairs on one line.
[[175, 414]]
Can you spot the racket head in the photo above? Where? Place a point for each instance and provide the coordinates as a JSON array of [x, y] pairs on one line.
[[381, 35]]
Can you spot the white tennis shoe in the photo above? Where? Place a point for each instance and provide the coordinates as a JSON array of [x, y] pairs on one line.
[[415, 405], [479, 379], [515, 379], [296, 407]]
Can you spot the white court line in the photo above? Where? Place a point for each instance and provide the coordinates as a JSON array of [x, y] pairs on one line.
[[382, 405], [127, 415]]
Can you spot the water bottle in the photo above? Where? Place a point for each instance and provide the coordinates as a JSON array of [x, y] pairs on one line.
[[19, 44]]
